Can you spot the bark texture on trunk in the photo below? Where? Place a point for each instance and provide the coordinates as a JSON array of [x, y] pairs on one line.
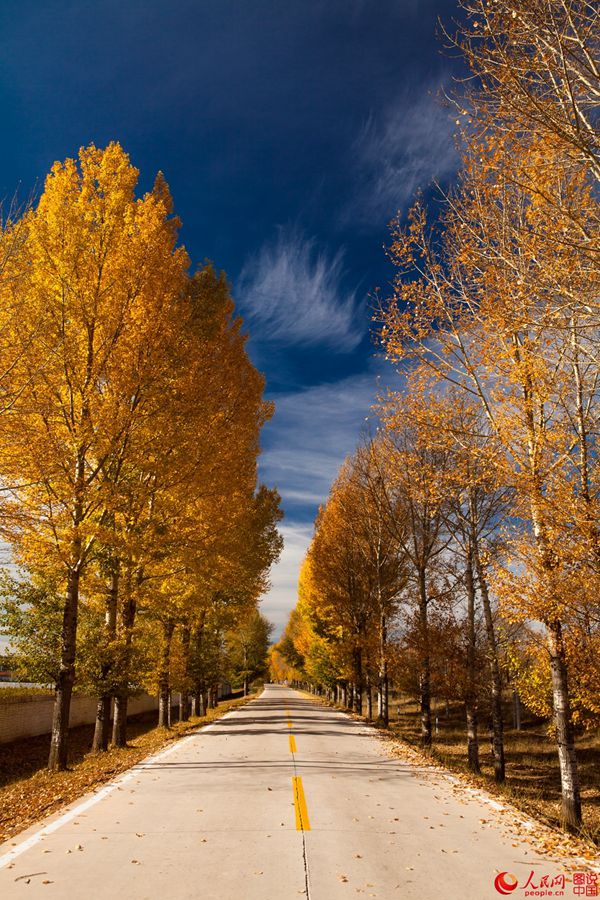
[[471, 693], [58, 758], [383, 711], [119, 732], [128, 610], [164, 666], [517, 710], [358, 685], [495, 674], [425, 673], [565, 738], [102, 728], [185, 702]]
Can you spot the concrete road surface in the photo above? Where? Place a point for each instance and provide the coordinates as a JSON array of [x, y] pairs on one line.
[[281, 799]]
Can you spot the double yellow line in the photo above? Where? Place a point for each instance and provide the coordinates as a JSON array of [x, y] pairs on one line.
[[300, 808]]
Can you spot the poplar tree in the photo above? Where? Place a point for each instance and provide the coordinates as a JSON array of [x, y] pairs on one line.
[[95, 261]]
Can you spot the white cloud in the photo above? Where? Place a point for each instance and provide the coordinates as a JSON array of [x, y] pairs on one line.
[[407, 148], [291, 292], [311, 433], [281, 599], [313, 430]]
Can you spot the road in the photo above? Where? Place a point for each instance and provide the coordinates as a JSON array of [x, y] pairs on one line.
[[280, 799]]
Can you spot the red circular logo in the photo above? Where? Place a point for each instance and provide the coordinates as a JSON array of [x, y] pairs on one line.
[[505, 883]]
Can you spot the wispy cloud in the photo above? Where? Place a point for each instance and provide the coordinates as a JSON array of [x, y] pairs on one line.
[[292, 293], [312, 432], [280, 600], [407, 148]]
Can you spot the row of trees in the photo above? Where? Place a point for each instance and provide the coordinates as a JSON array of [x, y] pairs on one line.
[[488, 470], [129, 434]]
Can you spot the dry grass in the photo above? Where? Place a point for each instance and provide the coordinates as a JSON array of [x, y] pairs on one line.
[[532, 773], [28, 792]]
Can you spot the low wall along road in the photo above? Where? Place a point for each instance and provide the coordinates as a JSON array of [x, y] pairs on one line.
[[31, 716]]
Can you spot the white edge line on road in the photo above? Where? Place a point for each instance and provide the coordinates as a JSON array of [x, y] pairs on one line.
[[476, 794], [101, 794]]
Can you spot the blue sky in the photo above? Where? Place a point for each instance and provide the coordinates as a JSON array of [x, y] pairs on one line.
[[290, 133]]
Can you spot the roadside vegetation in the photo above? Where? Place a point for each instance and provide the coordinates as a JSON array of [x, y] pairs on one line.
[[458, 554], [129, 436], [532, 776], [29, 792]]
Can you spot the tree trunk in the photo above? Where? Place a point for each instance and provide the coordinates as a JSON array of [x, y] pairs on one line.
[[425, 674], [102, 728], [496, 678], [164, 693], [57, 760], [369, 700], [128, 610], [119, 733], [358, 686], [569, 775], [184, 704], [471, 693], [383, 713], [517, 710]]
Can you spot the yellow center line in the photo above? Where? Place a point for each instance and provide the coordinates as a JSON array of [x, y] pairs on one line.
[[302, 820], [292, 743]]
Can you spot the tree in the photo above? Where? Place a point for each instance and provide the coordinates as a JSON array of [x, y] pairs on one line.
[[482, 304], [128, 460], [418, 467], [247, 647], [536, 63], [97, 262]]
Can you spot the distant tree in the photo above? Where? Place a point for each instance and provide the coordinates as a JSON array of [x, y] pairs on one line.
[[247, 648]]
